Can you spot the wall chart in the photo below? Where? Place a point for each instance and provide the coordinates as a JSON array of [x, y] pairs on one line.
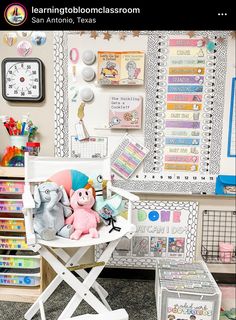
[[164, 229]]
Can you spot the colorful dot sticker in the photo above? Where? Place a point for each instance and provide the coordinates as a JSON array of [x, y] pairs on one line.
[[153, 215], [10, 38], [142, 215], [210, 46], [38, 38], [24, 48]]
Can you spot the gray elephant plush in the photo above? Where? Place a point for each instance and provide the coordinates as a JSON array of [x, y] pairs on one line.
[[52, 207]]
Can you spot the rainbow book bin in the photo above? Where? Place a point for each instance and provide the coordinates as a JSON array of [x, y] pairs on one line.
[[23, 279], [13, 243], [20, 261], [11, 186], [11, 205], [13, 225]]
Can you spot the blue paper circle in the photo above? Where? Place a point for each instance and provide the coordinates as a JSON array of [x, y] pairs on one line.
[[27, 280], [153, 215]]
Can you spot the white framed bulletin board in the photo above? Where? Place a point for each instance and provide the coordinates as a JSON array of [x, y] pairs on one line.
[[183, 101]]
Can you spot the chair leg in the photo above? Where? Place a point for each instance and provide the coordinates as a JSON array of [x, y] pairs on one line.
[[42, 312], [82, 273], [89, 280], [103, 298], [96, 286], [52, 286], [43, 297], [72, 281]]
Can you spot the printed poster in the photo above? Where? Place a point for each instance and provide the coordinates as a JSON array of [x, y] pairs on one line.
[[164, 230], [179, 309]]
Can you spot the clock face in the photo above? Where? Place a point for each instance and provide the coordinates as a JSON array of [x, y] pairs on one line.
[[22, 79]]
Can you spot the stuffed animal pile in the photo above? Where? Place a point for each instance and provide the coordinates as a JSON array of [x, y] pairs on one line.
[[56, 214]]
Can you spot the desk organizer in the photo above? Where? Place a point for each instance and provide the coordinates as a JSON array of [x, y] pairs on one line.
[[14, 279], [186, 291], [21, 262], [13, 243], [11, 205], [13, 225], [11, 187]]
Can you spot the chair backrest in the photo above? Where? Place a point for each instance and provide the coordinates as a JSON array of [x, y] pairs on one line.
[[39, 169]]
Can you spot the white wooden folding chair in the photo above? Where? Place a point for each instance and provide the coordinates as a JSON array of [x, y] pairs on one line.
[[39, 169]]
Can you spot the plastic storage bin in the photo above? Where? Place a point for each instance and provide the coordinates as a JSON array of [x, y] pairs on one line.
[[33, 148], [13, 243], [11, 187], [15, 279], [186, 291], [13, 225], [11, 205], [21, 262]]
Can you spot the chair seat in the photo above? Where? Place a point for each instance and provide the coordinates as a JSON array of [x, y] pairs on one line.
[[86, 240]]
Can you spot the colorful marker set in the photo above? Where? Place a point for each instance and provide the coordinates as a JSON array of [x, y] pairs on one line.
[[13, 205], [11, 186], [13, 225], [13, 243], [25, 262], [12, 279], [22, 127]]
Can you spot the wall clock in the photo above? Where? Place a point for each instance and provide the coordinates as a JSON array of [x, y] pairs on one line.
[[23, 79]]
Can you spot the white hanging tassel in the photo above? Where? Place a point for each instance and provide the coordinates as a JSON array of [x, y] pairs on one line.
[[82, 133]]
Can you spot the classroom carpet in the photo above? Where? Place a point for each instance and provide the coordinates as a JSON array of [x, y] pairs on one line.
[[136, 296]]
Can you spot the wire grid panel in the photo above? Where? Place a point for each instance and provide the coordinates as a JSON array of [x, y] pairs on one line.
[[218, 227]]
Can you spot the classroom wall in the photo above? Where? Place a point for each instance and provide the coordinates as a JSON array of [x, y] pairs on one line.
[[41, 114]]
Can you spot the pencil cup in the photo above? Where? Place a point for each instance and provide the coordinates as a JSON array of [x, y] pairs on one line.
[[226, 252], [18, 141]]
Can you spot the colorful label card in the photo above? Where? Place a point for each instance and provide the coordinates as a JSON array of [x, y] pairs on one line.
[[128, 157]]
